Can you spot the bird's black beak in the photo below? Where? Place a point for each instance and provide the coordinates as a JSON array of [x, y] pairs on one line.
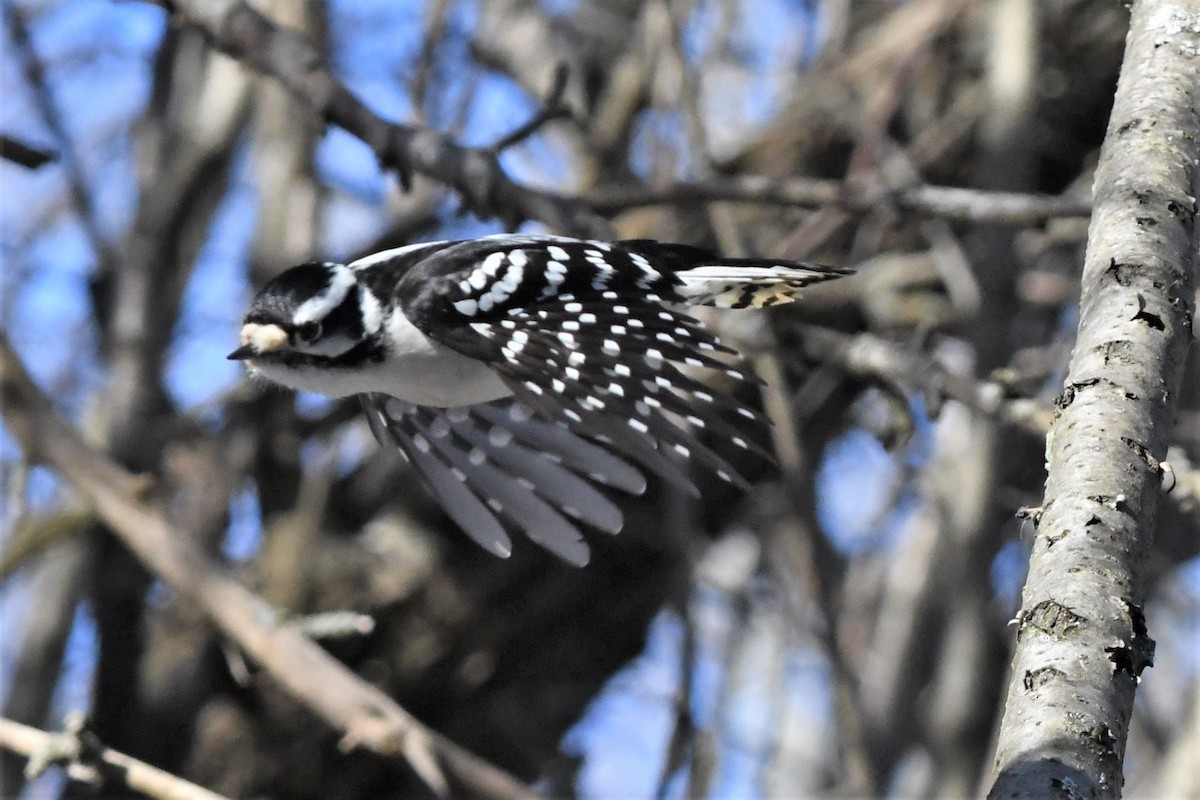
[[242, 353]]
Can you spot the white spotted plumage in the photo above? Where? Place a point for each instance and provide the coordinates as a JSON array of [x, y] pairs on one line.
[[515, 371]]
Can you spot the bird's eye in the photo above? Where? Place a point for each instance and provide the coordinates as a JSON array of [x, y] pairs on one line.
[[308, 331]]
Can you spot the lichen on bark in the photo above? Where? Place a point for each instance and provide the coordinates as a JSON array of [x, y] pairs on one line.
[[1081, 637]]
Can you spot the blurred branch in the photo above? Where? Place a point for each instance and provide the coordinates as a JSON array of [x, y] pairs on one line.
[[87, 760], [367, 717], [1186, 490], [1081, 640], [435, 26], [599, 44], [686, 746], [333, 624], [877, 166], [36, 535], [1178, 776], [26, 155], [186, 144], [950, 202], [284, 140], [552, 108], [237, 29], [37, 639], [35, 73], [907, 372]]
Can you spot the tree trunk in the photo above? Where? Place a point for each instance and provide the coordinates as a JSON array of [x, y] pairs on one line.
[[1081, 635]]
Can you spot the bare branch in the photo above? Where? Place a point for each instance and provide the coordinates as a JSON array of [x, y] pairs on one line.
[[552, 108], [367, 717], [950, 202], [1081, 639], [910, 373], [86, 760], [242, 32]]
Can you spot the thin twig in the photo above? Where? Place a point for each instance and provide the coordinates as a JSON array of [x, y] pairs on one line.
[[435, 30], [908, 373], [26, 155], [235, 28], [911, 373], [35, 72], [949, 202], [333, 624], [87, 761], [552, 108]]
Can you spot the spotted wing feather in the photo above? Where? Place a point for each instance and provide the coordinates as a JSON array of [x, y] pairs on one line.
[[520, 272], [497, 461], [584, 332], [609, 370]]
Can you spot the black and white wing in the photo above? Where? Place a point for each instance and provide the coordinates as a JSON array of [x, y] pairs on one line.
[[497, 461], [587, 334]]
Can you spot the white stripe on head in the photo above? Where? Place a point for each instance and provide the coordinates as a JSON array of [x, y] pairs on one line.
[[372, 310], [317, 307]]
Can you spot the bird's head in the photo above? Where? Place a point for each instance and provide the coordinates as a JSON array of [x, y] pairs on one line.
[[310, 315]]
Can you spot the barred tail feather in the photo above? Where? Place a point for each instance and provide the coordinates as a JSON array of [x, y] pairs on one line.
[[751, 283]]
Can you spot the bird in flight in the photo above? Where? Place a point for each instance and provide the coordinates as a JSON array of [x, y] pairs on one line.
[[519, 373]]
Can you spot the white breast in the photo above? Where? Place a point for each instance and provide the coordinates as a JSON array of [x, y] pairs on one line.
[[417, 370]]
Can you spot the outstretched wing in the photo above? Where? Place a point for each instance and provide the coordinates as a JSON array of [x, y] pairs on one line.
[[497, 461], [583, 332]]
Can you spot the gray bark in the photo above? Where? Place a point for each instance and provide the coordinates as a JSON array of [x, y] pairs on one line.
[[1081, 635]]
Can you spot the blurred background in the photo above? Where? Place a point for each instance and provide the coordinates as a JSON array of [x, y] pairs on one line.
[[841, 630]]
